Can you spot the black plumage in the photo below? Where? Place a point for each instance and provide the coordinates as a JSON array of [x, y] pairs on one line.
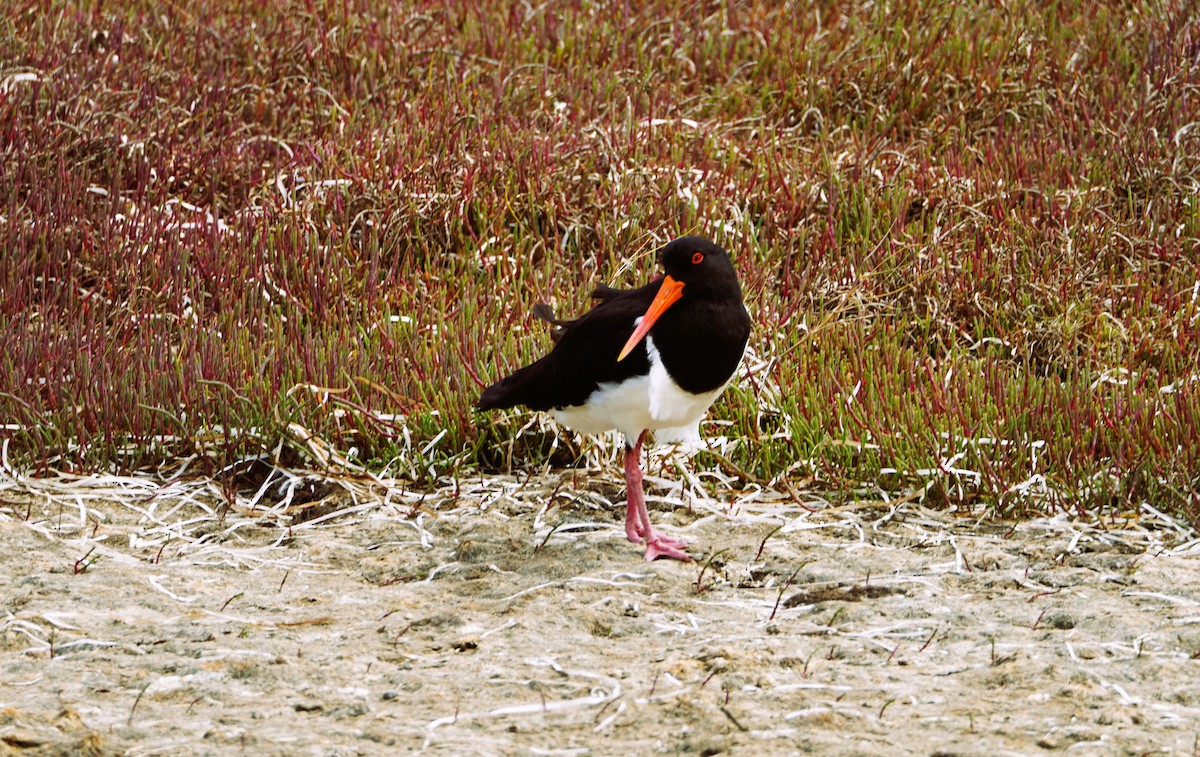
[[596, 377]]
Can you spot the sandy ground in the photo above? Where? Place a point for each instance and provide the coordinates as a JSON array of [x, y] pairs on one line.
[[512, 617]]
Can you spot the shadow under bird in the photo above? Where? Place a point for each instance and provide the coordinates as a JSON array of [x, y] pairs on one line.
[[652, 358]]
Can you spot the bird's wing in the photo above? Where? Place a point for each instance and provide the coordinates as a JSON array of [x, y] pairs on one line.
[[584, 355]]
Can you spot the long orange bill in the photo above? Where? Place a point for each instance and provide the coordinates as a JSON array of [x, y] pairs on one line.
[[668, 294]]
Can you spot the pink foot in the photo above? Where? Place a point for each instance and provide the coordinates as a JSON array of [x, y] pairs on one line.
[[658, 545]]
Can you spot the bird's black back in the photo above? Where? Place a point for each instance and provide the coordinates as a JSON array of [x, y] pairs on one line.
[[584, 355], [700, 339]]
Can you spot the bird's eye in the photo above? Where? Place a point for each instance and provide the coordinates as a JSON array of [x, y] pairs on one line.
[[697, 258]]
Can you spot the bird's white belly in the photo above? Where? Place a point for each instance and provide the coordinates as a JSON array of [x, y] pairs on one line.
[[653, 401]]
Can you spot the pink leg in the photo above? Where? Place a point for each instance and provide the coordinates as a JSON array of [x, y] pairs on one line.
[[635, 499], [637, 519]]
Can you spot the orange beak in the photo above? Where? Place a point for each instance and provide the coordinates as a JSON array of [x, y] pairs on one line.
[[668, 294]]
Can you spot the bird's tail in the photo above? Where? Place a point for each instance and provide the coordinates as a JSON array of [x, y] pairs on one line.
[[511, 391]]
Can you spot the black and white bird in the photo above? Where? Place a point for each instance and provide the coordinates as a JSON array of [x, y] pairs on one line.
[[650, 358]]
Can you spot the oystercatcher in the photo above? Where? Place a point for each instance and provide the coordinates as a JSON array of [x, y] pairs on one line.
[[655, 357]]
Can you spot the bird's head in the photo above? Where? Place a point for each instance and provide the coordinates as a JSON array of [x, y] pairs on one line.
[[694, 267], [700, 265]]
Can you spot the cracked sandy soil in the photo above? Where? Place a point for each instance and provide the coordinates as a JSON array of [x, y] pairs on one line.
[[524, 623]]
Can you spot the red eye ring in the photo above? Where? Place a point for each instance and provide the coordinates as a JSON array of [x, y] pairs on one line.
[[697, 258]]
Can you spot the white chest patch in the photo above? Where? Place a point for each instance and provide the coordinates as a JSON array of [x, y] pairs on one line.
[[653, 401]]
